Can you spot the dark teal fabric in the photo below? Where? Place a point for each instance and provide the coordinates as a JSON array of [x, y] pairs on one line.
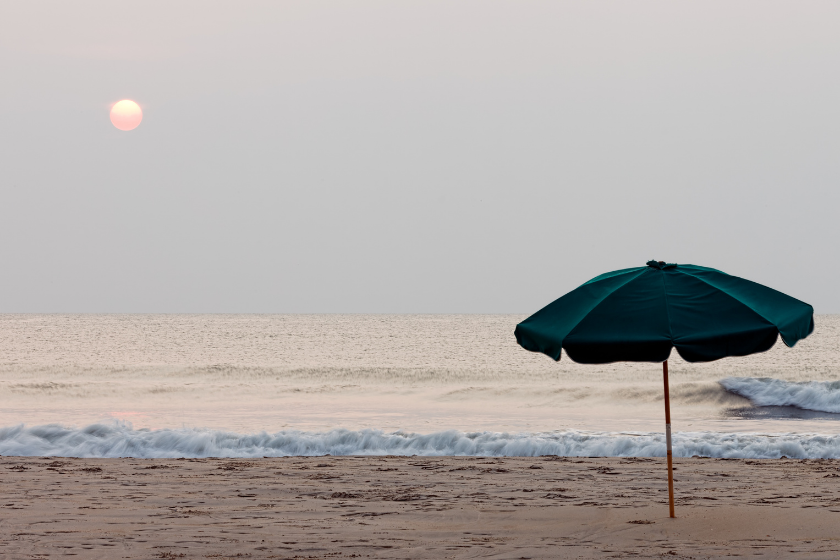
[[639, 314]]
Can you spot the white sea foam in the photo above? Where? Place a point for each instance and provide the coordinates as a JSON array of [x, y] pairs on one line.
[[823, 396], [121, 440]]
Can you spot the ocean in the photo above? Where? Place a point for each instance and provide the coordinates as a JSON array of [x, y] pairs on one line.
[[279, 385]]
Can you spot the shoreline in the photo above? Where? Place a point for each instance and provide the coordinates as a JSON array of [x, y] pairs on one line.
[[417, 507], [121, 440]]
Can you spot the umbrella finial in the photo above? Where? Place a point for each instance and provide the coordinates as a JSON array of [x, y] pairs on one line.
[[660, 265]]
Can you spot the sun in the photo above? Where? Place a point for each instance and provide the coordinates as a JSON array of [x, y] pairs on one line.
[[126, 114]]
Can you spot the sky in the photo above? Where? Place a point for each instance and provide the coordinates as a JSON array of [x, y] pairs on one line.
[[434, 156]]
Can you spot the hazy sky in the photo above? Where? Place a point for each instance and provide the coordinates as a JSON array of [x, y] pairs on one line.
[[411, 156]]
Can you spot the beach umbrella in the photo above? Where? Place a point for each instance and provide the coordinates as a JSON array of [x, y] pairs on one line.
[[640, 314]]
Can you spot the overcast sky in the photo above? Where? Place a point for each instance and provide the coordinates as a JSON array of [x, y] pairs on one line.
[[411, 156]]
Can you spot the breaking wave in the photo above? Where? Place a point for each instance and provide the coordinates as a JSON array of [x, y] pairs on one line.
[[122, 440], [822, 396]]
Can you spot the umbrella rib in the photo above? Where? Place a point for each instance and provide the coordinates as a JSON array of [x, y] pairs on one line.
[[733, 297], [523, 327], [788, 344], [667, 310]]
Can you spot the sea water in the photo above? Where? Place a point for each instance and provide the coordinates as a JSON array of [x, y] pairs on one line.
[[274, 385]]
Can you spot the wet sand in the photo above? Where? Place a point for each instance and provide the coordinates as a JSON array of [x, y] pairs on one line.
[[416, 507]]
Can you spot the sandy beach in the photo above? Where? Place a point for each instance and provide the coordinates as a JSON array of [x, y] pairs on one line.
[[419, 280], [416, 507]]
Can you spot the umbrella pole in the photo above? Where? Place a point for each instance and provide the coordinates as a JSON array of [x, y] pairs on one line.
[[668, 438]]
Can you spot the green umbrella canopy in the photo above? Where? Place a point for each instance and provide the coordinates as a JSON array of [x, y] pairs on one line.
[[639, 314]]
